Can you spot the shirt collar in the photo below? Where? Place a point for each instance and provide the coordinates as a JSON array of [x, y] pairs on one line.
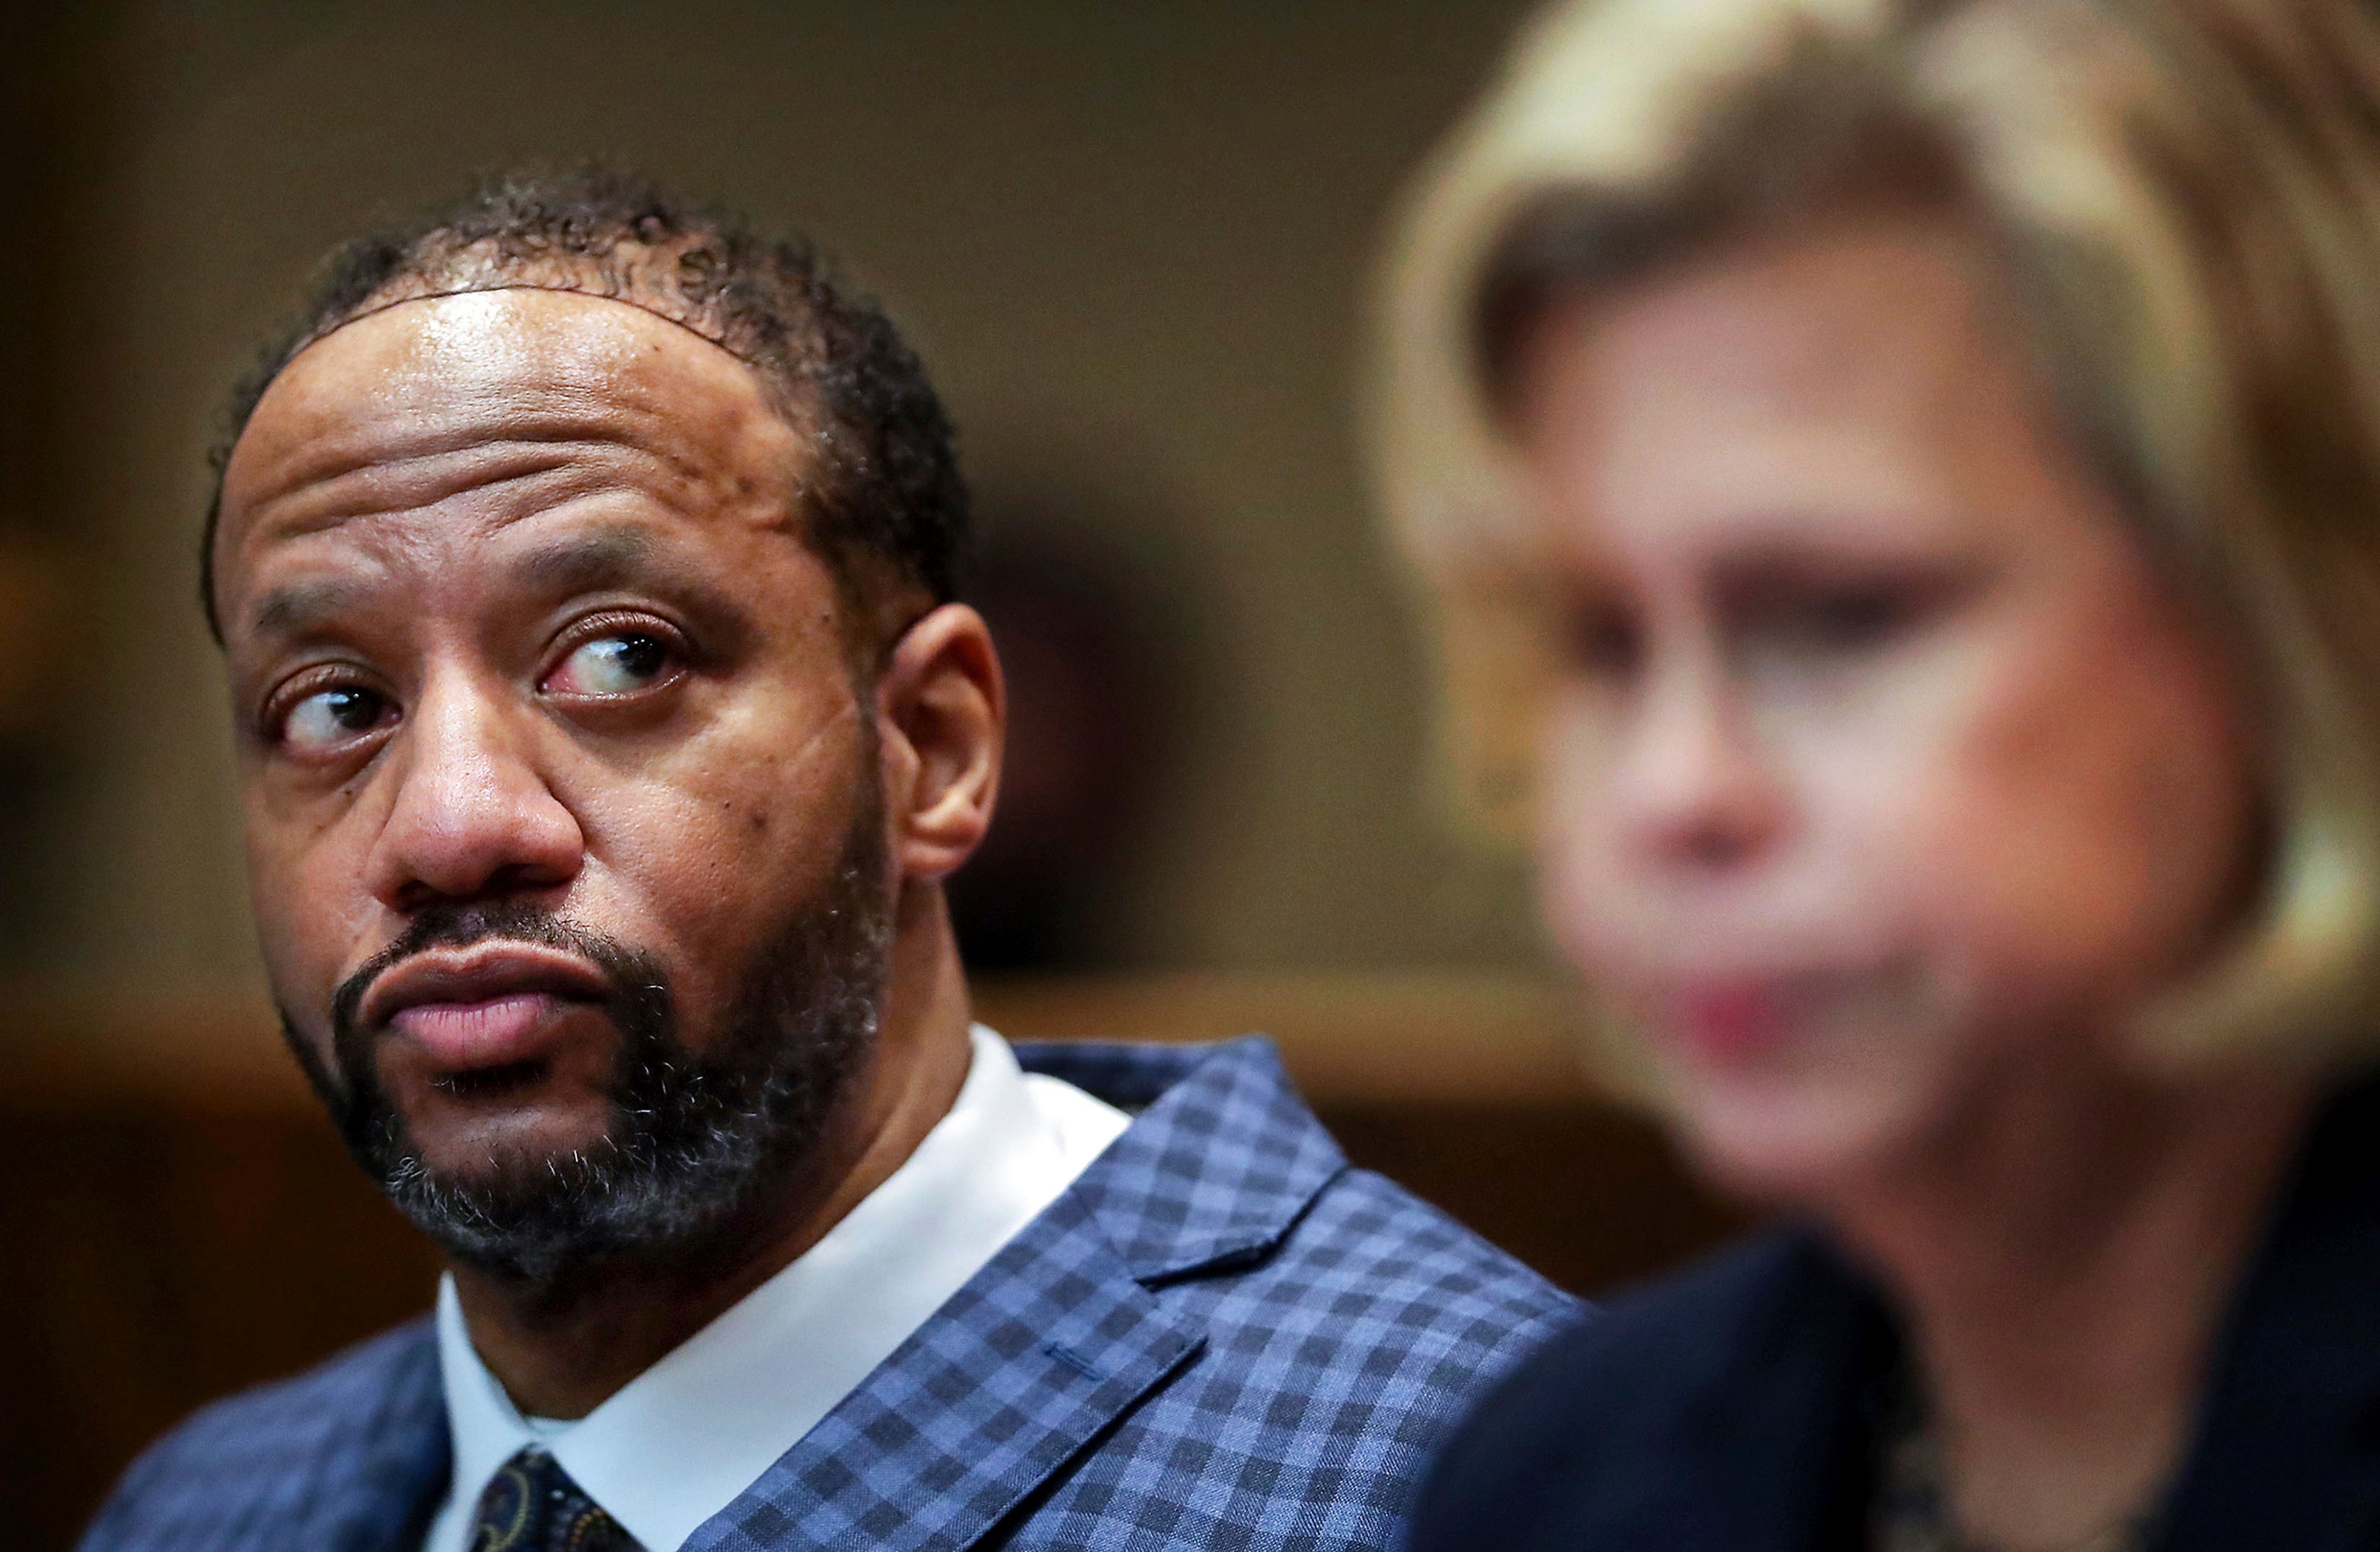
[[683, 1439]]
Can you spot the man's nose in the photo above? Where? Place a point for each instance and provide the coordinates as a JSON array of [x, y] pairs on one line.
[[1698, 789], [473, 814]]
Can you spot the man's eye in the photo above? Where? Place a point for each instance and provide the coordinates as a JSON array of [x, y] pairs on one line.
[[612, 665], [329, 718]]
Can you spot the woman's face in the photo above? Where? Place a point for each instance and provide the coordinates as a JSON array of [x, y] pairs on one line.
[[1884, 775]]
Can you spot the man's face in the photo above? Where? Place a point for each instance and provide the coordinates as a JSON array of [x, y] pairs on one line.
[[560, 796]]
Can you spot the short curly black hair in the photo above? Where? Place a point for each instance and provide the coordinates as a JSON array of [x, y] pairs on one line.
[[886, 488]]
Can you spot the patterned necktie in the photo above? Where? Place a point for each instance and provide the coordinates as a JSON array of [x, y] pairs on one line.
[[531, 1504]]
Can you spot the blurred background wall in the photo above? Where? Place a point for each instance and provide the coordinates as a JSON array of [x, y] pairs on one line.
[[1130, 239]]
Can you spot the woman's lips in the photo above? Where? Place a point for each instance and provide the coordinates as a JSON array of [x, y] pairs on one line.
[[1724, 1024], [490, 1031]]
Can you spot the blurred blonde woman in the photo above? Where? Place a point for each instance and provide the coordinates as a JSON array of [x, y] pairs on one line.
[[1899, 487]]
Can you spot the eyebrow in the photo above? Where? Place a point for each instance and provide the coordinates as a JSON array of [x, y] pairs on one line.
[[618, 557], [299, 607], [1770, 562], [628, 559], [609, 557]]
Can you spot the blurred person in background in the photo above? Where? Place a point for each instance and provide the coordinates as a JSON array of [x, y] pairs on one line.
[[585, 568], [1900, 483]]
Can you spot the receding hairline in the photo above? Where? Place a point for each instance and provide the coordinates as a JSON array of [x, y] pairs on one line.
[[758, 374], [769, 403], [884, 504], [498, 287]]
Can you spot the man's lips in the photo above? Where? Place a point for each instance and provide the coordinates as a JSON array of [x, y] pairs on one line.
[[484, 1006]]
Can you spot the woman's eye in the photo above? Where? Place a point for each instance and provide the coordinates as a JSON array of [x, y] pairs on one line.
[[329, 718], [1820, 622], [1604, 641], [1847, 619], [611, 665]]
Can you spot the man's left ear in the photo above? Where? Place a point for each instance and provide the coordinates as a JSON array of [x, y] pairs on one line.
[[943, 713]]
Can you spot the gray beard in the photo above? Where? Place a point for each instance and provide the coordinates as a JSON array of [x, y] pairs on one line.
[[693, 1141]]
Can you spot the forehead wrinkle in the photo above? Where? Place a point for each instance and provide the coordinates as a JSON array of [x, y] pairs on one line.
[[373, 488], [366, 430], [576, 415], [326, 483]]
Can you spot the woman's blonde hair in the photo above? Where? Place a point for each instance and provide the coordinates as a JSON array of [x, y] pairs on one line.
[[2185, 198]]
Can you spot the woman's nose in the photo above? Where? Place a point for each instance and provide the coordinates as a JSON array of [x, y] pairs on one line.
[[1697, 787]]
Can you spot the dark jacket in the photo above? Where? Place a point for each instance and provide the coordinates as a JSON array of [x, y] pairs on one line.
[[1736, 1407], [1220, 1336]]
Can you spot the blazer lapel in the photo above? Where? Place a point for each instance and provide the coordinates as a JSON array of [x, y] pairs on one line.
[[379, 1469], [1052, 1342], [1065, 1331]]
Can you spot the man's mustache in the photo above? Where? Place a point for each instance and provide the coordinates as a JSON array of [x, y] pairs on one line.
[[638, 990]]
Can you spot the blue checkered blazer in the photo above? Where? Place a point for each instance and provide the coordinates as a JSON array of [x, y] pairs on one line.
[[1221, 1337]]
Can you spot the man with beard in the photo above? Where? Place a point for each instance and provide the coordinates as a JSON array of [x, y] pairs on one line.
[[585, 571]]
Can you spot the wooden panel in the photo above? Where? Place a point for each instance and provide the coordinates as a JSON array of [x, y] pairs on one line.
[[1346, 1037]]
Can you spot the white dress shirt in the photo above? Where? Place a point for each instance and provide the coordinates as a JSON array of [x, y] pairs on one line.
[[682, 1440]]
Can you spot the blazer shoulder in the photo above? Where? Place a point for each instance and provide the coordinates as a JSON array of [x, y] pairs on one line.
[[1228, 1193], [263, 1450], [1332, 1362], [1367, 1244]]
